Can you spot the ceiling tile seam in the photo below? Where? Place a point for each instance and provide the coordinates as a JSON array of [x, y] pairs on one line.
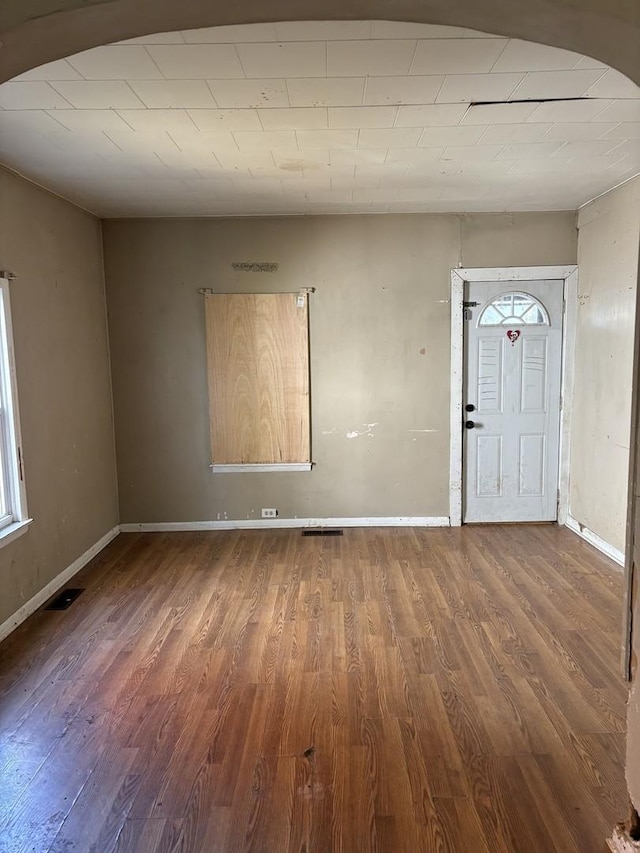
[[559, 150], [233, 136], [334, 77], [440, 88], [413, 58], [60, 95], [613, 150], [168, 134], [258, 111], [112, 141], [135, 94], [119, 113], [278, 40], [212, 94], [287, 90], [524, 77], [237, 53], [363, 100], [616, 126], [601, 136], [497, 59], [54, 118], [77, 70], [161, 161], [152, 60], [601, 77], [482, 134]]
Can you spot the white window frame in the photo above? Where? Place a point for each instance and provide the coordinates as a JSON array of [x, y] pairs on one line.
[[513, 320], [16, 520]]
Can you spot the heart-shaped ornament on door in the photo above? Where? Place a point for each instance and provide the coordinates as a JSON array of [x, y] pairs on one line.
[[513, 335]]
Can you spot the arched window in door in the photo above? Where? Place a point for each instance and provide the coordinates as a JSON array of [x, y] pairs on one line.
[[514, 309]]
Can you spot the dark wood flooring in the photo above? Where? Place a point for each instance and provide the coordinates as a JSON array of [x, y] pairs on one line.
[[397, 690]]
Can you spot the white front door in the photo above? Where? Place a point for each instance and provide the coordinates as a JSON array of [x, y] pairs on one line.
[[513, 356]]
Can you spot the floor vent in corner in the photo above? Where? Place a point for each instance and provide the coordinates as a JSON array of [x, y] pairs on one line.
[[322, 531], [64, 599]]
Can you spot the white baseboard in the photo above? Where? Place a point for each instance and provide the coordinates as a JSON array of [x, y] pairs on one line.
[[595, 540], [279, 523], [54, 585], [621, 843]]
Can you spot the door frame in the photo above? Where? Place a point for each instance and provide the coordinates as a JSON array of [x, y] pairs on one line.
[[568, 274]]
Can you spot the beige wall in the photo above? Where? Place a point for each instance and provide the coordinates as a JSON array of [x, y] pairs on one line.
[[608, 253], [609, 229], [380, 354], [63, 385]]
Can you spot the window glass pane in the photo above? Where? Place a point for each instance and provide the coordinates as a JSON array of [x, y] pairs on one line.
[[12, 507], [491, 317], [3, 470], [514, 309]]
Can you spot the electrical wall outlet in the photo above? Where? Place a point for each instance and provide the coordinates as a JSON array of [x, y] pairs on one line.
[[269, 513]]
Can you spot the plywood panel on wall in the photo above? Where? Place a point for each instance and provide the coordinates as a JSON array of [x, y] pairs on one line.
[[258, 367]]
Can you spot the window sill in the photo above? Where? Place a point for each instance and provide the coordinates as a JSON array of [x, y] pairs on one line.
[[13, 531], [258, 469]]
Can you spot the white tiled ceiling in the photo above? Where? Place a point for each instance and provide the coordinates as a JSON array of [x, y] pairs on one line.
[[116, 62], [322, 117]]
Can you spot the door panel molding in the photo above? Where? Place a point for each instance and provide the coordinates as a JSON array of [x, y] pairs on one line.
[[569, 275], [515, 388]]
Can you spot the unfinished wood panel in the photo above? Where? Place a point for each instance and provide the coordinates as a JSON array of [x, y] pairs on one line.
[[400, 691], [258, 365]]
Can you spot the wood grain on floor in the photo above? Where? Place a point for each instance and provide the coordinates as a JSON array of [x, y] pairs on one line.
[[397, 690]]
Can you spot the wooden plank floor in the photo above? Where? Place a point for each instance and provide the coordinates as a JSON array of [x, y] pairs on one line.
[[388, 690]]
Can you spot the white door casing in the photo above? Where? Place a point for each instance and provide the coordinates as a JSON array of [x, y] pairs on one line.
[[514, 278], [513, 358]]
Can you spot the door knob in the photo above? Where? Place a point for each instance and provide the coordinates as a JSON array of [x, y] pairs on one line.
[[469, 424], [469, 407]]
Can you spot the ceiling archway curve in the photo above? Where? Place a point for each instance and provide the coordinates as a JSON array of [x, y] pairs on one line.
[[33, 32]]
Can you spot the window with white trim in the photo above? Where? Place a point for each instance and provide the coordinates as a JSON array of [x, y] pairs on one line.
[[514, 309], [13, 505]]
